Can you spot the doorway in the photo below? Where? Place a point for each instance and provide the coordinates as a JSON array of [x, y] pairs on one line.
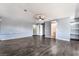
[[38, 29], [53, 29]]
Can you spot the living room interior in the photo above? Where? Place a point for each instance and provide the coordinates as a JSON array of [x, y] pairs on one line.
[[39, 29]]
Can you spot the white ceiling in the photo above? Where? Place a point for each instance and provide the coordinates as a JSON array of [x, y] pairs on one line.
[[53, 10], [50, 10]]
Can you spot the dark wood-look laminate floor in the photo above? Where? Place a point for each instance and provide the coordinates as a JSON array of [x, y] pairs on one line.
[[38, 46]]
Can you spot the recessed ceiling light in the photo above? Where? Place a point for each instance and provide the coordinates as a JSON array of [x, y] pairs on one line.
[[25, 10]]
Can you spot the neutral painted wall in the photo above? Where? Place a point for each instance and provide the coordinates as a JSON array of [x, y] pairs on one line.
[[63, 29], [48, 29], [14, 31], [15, 22], [77, 11]]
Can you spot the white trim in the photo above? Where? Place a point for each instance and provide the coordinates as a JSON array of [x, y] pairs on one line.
[[64, 39]]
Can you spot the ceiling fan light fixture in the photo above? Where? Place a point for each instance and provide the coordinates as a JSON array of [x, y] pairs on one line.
[[39, 16]]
